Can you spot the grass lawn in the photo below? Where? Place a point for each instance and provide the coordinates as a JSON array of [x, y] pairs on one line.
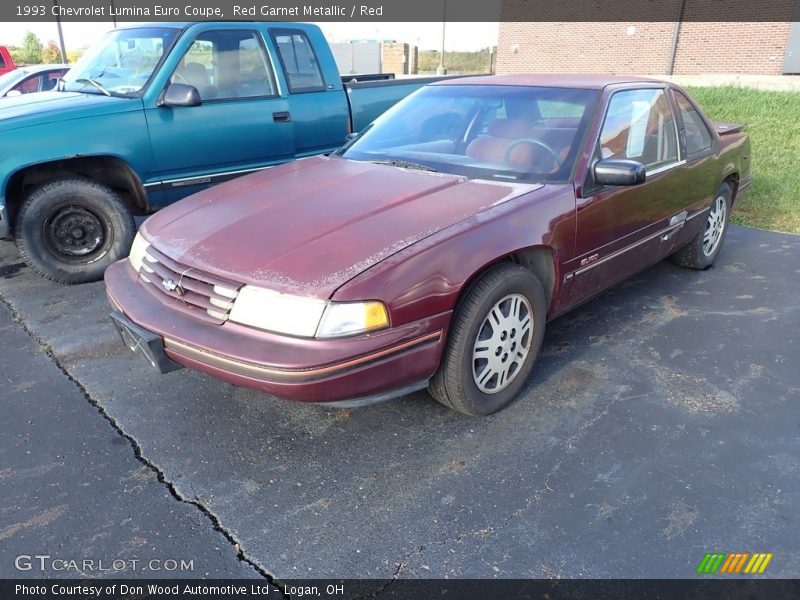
[[773, 121]]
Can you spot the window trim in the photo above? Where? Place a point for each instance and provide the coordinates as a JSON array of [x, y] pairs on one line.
[[270, 67], [590, 187], [276, 31], [674, 93]]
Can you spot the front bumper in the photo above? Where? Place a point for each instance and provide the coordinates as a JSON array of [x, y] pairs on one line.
[[353, 370]]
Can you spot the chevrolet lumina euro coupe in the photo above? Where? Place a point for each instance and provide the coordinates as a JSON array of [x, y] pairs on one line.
[[433, 247]]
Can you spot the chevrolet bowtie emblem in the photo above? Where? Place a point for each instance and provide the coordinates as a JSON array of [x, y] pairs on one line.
[[171, 286]]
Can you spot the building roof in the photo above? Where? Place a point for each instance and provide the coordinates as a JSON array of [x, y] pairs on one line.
[[574, 80]]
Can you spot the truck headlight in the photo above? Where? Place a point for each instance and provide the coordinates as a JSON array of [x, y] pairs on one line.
[[138, 250], [305, 317]]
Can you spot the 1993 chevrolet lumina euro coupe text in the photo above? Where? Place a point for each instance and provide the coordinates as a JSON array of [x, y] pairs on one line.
[[431, 250]]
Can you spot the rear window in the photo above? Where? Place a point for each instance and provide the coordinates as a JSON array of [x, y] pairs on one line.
[[299, 62]]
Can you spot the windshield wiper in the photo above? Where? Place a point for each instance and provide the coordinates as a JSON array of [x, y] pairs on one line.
[[403, 164], [99, 86]]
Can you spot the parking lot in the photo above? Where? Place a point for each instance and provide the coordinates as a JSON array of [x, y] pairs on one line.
[[662, 422]]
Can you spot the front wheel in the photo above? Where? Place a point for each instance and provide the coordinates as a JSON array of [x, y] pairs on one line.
[[703, 249], [494, 340], [71, 229]]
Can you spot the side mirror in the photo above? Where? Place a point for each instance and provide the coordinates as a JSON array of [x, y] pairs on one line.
[[180, 94], [13, 94], [619, 172]]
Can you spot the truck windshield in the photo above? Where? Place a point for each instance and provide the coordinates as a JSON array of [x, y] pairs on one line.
[[517, 133], [121, 63]]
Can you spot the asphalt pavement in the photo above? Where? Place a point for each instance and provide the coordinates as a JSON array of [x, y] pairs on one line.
[[661, 422]]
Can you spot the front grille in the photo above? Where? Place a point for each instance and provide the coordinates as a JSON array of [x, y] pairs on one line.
[[189, 290]]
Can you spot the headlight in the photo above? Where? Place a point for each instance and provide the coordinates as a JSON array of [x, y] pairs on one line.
[[138, 250], [305, 317], [273, 311], [352, 317]]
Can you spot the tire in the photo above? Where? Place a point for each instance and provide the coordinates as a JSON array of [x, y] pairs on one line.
[[69, 230], [699, 253], [462, 381]]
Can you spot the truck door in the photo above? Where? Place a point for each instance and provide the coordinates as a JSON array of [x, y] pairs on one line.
[[241, 125], [317, 99], [620, 230]]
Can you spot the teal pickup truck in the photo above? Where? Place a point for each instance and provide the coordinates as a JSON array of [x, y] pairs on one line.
[[154, 113]]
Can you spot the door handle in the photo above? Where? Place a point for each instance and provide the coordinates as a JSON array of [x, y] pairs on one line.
[[676, 223], [282, 117]]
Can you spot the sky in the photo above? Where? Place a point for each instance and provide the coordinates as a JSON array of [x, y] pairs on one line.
[[428, 36]]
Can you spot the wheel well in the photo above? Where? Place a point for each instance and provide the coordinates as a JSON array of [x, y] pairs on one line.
[[538, 259], [109, 170], [733, 181]]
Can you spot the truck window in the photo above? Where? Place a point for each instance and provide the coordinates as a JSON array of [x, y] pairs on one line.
[[2, 61], [299, 61], [698, 137], [227, 65], [639, 125]]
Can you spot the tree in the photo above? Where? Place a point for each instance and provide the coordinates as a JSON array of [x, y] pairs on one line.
[[31, 51], [51, 53]]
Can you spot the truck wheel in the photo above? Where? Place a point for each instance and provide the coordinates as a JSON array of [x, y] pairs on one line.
[[494, 340], [702, 251], [70, 230]]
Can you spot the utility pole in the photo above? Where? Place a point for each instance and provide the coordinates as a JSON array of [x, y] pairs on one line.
[[60, 34], [442, 70]]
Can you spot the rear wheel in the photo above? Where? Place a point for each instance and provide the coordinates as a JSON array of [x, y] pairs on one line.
[[494, 340], [70, 230], [703, 249]]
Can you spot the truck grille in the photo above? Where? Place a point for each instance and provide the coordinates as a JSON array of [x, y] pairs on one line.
[[191, 291]]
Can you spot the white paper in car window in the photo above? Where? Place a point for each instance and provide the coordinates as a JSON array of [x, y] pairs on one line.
[[640, 113]]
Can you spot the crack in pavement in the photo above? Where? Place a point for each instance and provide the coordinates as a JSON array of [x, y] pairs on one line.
[[137, 451]]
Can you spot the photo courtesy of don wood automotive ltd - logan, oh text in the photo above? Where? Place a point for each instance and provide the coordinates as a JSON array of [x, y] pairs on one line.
[[400, 300]]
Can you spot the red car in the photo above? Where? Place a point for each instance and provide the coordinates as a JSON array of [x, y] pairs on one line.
[[430, 251]]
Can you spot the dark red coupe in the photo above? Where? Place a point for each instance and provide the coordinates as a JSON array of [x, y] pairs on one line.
[[430, 251]]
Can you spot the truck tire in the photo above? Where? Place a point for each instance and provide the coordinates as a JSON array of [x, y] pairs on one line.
[[494, 339], [69, 230], [701, 252]]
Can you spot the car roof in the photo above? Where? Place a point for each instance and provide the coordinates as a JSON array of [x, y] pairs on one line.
[[564, 80]]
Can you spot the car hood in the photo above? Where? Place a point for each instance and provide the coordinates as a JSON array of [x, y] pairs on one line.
[[310, 226], [48, 107]]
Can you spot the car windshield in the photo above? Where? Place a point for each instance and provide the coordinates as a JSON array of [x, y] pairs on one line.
[[121, 63], [518, 133]]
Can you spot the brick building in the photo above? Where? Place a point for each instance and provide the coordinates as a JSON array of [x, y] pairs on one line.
[[664, 47]]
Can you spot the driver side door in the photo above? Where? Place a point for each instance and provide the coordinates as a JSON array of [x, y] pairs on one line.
[[241, 125]]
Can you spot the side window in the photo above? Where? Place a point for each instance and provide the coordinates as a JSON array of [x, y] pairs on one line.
[[698, 137], [29, 84], [226, 65], [639, 126], [51, 80], [299, 61]]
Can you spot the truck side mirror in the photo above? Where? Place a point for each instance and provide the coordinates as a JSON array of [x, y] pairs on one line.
[[180, 94], [619, 172]]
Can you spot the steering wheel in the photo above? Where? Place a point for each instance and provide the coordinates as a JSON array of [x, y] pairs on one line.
[[544, 146]]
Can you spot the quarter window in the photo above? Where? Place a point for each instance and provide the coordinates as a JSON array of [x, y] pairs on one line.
[[226, 65], [639, 126], [299, 61], [698, 137]]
